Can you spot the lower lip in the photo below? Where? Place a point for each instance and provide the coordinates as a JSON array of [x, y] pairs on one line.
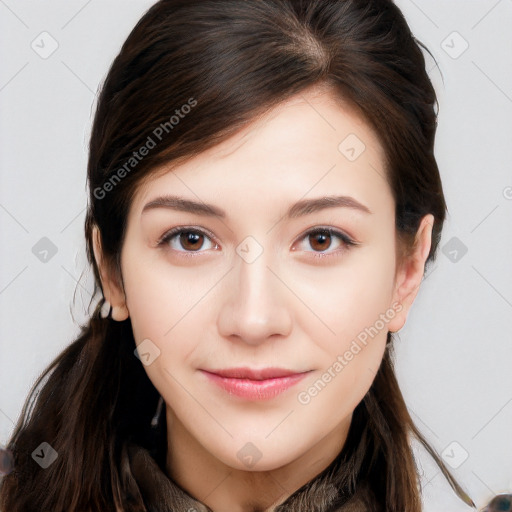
[[255, 389]]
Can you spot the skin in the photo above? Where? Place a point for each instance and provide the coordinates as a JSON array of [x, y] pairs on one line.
[[285, 309]]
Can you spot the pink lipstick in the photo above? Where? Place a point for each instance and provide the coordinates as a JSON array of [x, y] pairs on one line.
[[252, 384]]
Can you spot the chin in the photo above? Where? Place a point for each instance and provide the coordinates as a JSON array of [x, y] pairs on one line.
[[259, 454]]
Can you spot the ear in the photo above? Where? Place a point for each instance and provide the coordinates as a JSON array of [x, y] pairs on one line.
[[112, 291], [410, 274]]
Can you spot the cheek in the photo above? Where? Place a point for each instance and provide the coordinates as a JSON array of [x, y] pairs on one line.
[[162, 316], [354, 303], [169, 307], [341, 385], [147, 305], [348, 300], [159, 296]]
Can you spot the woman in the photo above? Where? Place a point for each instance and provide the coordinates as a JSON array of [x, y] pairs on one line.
[[264, 200]]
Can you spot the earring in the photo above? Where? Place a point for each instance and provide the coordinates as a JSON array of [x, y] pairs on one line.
[[156, 418]]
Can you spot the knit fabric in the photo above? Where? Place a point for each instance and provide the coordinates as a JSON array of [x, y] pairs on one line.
[[321, 494]]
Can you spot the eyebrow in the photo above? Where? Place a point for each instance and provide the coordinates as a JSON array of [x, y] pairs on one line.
[[298, 209]]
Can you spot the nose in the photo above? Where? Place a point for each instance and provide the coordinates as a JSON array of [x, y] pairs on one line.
[[255, 303]]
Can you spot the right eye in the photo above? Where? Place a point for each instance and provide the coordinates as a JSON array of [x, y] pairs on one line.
[[186, 240]]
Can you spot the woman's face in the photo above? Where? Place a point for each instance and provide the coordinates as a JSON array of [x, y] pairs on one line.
[[250, 281]]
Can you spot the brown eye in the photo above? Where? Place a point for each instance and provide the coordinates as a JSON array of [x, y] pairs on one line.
[[191, 240], [325, 242], [320, 240], [187, 240]]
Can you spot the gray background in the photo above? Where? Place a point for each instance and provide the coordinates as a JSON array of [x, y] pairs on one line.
[[454, 354]]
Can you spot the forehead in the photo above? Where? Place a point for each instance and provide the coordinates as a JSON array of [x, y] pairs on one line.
[[312, 144]]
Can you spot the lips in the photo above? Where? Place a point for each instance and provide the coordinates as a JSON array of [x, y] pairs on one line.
[[254, 374], [254, 384]]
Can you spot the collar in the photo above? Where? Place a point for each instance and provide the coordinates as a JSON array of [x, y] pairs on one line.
[[327, 492]]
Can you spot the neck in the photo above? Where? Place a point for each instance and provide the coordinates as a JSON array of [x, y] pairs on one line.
[[225, 488]]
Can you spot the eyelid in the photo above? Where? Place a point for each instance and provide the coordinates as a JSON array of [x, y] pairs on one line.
[[318, 228], [179, 229]]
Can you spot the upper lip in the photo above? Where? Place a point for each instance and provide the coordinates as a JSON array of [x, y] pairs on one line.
[[254, 374]]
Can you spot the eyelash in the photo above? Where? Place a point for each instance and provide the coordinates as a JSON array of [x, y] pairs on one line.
[[345, 239]]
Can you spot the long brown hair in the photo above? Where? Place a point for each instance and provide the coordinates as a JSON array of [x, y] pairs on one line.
[[228, 61]]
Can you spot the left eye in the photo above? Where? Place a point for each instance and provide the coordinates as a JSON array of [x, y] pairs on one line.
[[321, 239]]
